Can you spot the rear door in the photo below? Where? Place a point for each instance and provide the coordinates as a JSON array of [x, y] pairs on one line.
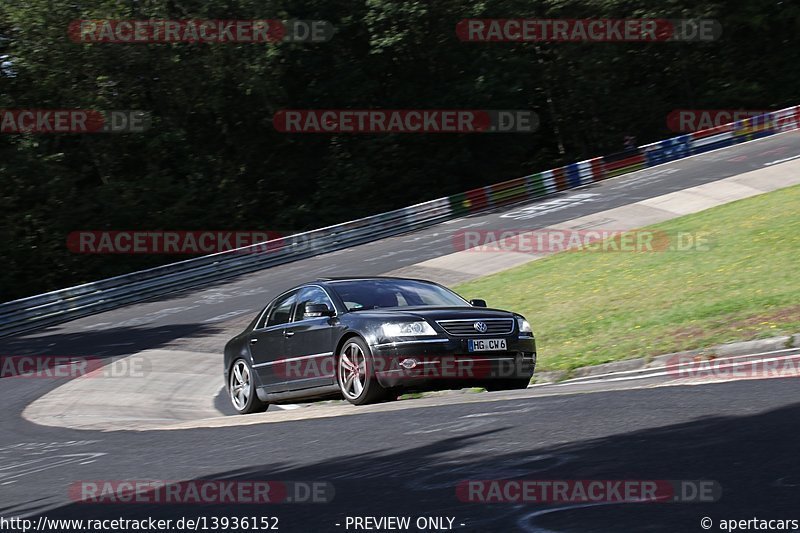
[[268, 342]]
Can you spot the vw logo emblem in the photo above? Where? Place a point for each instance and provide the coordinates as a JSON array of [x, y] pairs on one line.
[[480, 327]]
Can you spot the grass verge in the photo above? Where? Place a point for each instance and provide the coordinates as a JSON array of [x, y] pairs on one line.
[[595, 307]]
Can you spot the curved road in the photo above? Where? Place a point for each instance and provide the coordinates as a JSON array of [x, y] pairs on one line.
[[404, 459]]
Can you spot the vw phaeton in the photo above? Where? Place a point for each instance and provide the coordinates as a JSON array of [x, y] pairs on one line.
[[372, 339]]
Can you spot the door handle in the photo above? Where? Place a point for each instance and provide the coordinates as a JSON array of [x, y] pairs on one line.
[[253, 340], [288, 333]]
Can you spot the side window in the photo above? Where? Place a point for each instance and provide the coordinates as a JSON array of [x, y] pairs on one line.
[[262, 321], [282, 310], [310, 295]]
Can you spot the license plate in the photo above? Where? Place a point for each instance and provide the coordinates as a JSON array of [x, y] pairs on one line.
[[486, 345]]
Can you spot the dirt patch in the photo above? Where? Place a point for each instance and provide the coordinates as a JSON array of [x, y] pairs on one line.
[[745, 328], [688, 334]]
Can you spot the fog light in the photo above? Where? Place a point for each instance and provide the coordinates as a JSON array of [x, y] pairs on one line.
[[408, 363]]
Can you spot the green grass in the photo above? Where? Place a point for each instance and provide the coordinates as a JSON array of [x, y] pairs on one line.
[[594, 307]]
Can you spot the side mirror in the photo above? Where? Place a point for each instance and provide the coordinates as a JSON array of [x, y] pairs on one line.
[[317, 310], [477, 303]]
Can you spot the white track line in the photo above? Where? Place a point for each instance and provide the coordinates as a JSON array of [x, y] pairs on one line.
[[288, 406]]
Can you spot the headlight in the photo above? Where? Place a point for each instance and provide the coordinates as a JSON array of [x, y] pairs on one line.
[[408, 329], [524, 326]]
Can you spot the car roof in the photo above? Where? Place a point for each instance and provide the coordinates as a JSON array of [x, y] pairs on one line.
[[333, 280], [367, 278]]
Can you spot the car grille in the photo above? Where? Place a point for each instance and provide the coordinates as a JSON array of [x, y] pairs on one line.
[[495, 326]]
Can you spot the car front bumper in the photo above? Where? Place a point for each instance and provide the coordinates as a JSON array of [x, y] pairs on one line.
[[447, 362]]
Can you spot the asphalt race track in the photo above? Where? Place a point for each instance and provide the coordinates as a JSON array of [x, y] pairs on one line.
[[399, 461]]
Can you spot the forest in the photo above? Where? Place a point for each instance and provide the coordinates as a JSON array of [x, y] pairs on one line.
[[211, 157]]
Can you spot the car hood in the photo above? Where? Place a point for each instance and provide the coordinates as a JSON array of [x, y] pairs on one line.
[[434, 313]]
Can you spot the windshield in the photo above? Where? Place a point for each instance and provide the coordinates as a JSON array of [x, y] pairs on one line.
[[380, 293]]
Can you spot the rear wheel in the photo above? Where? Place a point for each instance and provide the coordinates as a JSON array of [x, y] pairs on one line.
[[356, 374], [242, 389]]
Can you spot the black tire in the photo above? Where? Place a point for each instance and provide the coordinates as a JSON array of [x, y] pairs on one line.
[[361, 387], [508, 384], [242, 389]]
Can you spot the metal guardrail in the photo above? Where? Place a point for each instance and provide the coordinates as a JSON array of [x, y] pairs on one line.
[[82, 300], [66, 304]]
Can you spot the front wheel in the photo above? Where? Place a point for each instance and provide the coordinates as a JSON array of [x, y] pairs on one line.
[[242, 389], [356, 375]]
